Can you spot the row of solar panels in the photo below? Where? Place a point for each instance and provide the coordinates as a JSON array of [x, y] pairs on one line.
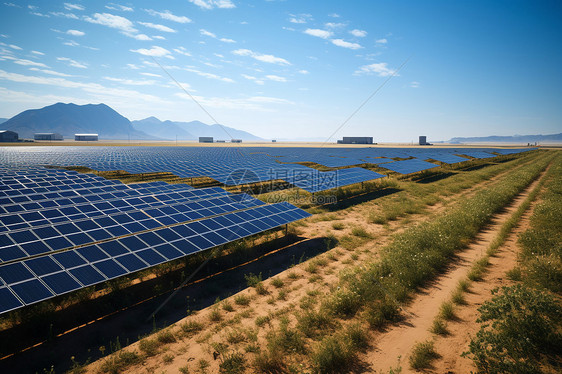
[[219, 163], [33, 280]]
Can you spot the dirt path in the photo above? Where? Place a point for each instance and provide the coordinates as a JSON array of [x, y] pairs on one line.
[[399, 340]]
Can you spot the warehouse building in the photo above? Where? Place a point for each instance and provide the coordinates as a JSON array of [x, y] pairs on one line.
[[236, 140], [356, 140], [86, 137], [8, 136], [423, 140], [205, 139], [47, 136]]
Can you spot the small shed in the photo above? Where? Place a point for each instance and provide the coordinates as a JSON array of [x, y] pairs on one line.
[[47, 136], [86, 137], [8, 136], [236, 140], [205, 139]]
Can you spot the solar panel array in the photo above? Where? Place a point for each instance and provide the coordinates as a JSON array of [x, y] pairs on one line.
[[233, 165], [85, 236]]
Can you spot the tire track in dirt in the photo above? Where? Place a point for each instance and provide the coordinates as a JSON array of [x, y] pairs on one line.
[[399, 340]]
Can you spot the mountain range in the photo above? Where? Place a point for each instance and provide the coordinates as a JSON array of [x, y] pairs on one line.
[[552, 138], [70, 119]]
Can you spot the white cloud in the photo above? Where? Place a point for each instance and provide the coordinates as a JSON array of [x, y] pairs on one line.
[[300, 18], [131, 82], [155, 51], [168, 16], [151, 75], [72, 62], [213, 35], [342, 43], [210, 4], [64, 15], [96, 89], [113, 21], [38, 53], [22, 62], [414, 84], [382, 41], [324, 34], [276, 78], [157, 27], [69, 6], [255, 103], [51, 72], [159, 37], [379, 69], [210, 75], [254, 79], [182, 51], [71, 43], [261, 57], [123, 8], [13, 46], [358, 33], [75, 33], [334, 25], [218, 55], [303, 71], [12, 5], [334, 15], [143, 37], [207, 33]]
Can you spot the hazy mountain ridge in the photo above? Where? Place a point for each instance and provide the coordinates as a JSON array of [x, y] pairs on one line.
[[70, 119], [189, 130], [554, 138]]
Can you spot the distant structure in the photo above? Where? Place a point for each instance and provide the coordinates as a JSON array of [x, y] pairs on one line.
[[8, 136], [274, 141], [423, 140], [220, 141], [236, 141], [205, 139], [42, 136], [356, 140], [86, 137]]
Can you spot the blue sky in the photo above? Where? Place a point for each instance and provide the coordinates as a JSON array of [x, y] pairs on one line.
[[286, 69]]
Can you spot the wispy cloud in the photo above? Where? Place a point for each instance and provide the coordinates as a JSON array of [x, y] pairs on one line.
[[23, 62], [213, 35], [382, 41], [155, 51], [64, 15], [113, 21], [342, 43], [381, 69], [38, 53], [324, 34], [182, 51], [300, 18], [76, 33], [13, 46], [51, 72], [131, 82], [151, 75], [123, 8], [334, 15], [253, 79], [276, 78], [414, 84], [210, 4], [261, 57], [73, 63], [157, 27], [167, 15], [210, 75], [303, 71], [358, 33], [334, 25], [69, 6]]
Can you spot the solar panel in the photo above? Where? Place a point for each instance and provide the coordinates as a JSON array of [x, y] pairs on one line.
[[409, 166]]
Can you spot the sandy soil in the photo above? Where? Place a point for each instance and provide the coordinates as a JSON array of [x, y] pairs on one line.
[[399, 340]]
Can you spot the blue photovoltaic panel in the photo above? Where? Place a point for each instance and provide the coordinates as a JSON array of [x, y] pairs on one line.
[[408, 166]]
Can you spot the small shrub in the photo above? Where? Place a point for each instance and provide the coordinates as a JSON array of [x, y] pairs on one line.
[[261, 290], [344, 303], [277, 282], [358, 336], [227, 306], [235, 337], [262, 320], [282, 295], [313, 323], [191, 327], [242, 299], [338, 226], [269, 363], [253, 280], [168, 358], [333, 355], [458, 297], [166, 337], [380, 314], [446, 311], [286, 339], [360, 232], [514, 274], [215, 315], [292, 275], [149, 346], [184, 369], [439, 327], [422, 355]]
